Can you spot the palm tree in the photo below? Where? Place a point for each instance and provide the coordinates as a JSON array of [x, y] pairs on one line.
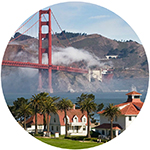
[[86, 103], [37, 107], [43, 97], [64, 105], [25, 110], [21, 110], [111, 111], [50, 107]]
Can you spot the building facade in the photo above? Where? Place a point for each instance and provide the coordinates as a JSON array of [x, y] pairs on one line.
[[77, 122], [129, 111]]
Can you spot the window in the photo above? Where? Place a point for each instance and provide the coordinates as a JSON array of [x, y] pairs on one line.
[[130, 118], [130, 96], [67, 120], [103, 132], [137, 96], [75, 119], [116, 118], [56, 128], [84, 128], [52, 128], [54, 119], [84, 119]]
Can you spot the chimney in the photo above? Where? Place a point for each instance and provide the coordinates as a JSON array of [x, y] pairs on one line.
[[74, 106]]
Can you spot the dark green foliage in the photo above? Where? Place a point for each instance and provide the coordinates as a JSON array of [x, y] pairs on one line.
[[113, 52], [22, 37], [110, 112], [21, 109], [64, 104], [86, 103], [63, 35]]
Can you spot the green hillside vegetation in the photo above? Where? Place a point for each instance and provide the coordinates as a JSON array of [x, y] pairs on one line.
[[131, 55]]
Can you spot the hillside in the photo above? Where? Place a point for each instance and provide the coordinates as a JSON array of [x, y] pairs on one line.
[[82, 51]]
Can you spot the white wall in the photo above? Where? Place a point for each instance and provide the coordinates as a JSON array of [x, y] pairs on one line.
[[127, 122], [32, 128]]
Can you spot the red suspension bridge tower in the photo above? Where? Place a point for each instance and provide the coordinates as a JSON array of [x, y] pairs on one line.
[[42, 50], [40, 66]]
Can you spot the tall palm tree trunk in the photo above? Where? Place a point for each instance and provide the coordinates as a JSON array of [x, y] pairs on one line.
[[66, 124], [88, 116], [44, 120], [36, 131], [111, 129], [47, 122]]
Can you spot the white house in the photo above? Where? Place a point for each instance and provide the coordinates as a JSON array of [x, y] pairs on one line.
[[30, 123], [77, 122], [129, 111], [111, 56]]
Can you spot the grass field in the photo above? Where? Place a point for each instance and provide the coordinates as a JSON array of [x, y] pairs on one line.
[[67, 143]]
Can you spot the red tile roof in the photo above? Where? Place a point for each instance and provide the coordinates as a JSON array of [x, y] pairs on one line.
[[40, 118], [128, 108], [133, 93], [131, 107], [107, 126], [71, 113]]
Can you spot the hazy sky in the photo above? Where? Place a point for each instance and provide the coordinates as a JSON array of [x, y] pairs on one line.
[[90, 19]]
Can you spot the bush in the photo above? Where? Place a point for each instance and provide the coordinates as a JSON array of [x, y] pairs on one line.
[[94, 134], [75, 137]]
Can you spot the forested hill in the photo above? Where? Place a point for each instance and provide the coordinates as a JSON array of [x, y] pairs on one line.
[[131, 61]]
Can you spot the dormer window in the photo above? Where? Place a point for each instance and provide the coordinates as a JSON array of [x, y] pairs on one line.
[[68, 120], [75, 119], [84, 119]]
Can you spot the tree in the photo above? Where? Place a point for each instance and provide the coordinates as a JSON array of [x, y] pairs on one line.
[[25, 110], [21, 110], [111, 111], [64, 105], [86, 103], [43, 97], [50, 107], [36, 103]]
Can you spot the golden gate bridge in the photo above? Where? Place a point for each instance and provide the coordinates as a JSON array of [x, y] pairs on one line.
[[40, 66]]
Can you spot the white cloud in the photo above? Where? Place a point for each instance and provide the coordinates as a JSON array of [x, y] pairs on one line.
[[69, 55], [99, 17]]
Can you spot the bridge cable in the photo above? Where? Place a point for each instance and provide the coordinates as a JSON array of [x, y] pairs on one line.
[[55, 35], [25, 31], [60, 28], [26, 22]]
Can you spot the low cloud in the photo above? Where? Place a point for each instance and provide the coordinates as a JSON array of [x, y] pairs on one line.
[[69, 55]]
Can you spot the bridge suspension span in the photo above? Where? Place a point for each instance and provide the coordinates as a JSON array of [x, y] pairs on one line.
[[40, 66]]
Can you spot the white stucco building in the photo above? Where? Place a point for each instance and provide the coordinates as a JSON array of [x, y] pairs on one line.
[[111, 56], [95, 74], [129, 111], [30, 123], [77, 122]]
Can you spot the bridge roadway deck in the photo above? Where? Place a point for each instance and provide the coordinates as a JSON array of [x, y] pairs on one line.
[[42, 66]]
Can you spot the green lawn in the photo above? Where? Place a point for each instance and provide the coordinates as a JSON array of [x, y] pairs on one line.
[[67, 143]]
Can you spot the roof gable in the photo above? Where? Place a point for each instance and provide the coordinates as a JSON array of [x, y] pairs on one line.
[[128, 108], [71, 114], [40, 118], [133, 93]]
